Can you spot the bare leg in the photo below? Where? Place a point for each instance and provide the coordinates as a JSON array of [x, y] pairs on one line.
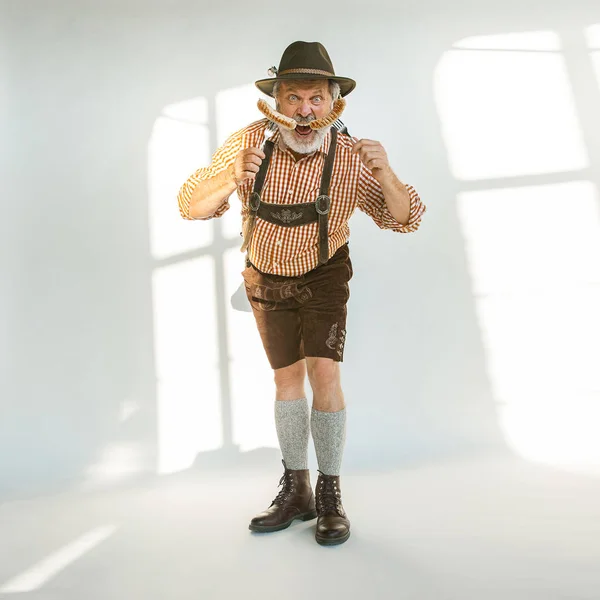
[[289, 381], [324, 377]]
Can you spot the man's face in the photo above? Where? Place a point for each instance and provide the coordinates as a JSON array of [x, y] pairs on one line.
[[304, 101]]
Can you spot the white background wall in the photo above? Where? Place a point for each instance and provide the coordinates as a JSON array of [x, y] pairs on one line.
[[82, 87]]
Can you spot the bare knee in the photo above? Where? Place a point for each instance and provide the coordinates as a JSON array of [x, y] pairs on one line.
[[289, 381], [323, 373]]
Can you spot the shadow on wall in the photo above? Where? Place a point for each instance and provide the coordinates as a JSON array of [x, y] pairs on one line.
[[112, 366]]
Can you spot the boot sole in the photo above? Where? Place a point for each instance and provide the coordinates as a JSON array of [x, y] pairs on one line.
[[270, 528], [331, 542]]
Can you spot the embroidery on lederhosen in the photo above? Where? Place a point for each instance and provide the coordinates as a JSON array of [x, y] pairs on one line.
[[287, 216], [266, 306], [332, 339], [305, 295], [333, 343], [269, 297], [286, 291], [342, 342]]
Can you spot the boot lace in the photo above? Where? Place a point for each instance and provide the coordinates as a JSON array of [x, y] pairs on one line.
[[328, 496], [286, 490]]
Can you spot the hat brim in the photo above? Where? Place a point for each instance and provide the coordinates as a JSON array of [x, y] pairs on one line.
[[266, 85]]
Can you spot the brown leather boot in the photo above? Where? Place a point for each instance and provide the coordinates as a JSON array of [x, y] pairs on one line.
[[333, 526], [295, 500]]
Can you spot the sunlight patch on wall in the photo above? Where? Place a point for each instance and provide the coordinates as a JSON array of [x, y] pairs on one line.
[[252, 387], [533, 238], [529, 40], [533, 255], [236, 108], [592, 35], [543, 352], [507, 114], [187, 368], [596, 62], [179, 144]]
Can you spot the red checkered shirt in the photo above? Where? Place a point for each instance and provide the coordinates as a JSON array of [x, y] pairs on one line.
[[293, 251]]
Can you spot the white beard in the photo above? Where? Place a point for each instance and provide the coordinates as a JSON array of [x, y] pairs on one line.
[[300, 146]]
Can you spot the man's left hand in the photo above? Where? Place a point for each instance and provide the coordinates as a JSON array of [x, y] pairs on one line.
[[374, 157]]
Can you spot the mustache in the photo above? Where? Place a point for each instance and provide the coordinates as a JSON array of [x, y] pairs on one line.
[[304, 120]]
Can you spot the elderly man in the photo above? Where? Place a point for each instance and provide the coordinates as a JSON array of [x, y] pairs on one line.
[[300, 176]]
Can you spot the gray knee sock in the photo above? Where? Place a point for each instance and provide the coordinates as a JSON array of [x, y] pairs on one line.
[[329, 435], [293, 429]]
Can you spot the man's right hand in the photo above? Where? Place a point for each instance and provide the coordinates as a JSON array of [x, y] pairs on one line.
[[246, 165]]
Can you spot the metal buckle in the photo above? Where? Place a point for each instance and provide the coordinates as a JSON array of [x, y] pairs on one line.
[[326, 203], [254, 201]]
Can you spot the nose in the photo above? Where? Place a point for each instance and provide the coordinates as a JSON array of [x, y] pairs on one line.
[[304, 110]]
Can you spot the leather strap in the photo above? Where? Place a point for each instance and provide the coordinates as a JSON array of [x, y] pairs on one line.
[[323, 202], [254, 199], [288, 215], [328, 167], [293, 215], [259, 180]]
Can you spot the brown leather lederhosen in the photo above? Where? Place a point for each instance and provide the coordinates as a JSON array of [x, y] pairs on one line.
[[293, 215]]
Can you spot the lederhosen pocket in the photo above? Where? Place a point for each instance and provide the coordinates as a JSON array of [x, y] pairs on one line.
[[265, 292]]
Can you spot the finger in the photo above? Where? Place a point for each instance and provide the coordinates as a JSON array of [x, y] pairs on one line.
[[358, 146], [368, 155], [250, 167], [248, 176], [252, 151], [376, 164], [252, 159], [372, 151]]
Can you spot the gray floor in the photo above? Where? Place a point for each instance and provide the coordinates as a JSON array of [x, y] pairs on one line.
[[486, 528]]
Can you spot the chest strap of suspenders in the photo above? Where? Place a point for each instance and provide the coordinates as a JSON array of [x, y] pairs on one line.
[[293, 215]]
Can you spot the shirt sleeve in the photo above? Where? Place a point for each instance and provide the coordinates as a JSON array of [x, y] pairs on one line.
[[221, 160], [372, 202]]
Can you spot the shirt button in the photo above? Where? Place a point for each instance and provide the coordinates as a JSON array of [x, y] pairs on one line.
[[278, 243], [290, 192]]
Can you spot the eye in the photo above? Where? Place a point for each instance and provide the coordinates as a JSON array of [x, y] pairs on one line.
[[317, 99], [293, 98]]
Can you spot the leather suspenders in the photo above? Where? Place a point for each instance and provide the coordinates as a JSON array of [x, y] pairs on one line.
[[293, 215]]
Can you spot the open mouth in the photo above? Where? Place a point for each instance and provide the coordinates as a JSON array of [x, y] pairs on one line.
[[303, 130]]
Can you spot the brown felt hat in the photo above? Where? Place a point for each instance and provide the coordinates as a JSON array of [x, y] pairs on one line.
[[304, 60]]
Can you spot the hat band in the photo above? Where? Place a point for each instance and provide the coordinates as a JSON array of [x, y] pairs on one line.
[[307, 72]]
